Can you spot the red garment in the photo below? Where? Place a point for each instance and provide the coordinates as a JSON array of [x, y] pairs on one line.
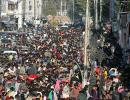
[[75, 92], [32, 77], [57, 85], [54, 50], [79, 86], [61, 33], [7, 98], [58, 56], [97, 70]]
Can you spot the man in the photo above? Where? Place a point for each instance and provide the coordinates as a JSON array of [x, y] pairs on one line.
[[12, 92], [116, 95], [32, 69], [82, 94], [66, 91]]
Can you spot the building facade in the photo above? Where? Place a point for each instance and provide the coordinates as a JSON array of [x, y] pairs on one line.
[[33, 9], [8, 7], [21, 9], [124, 28]]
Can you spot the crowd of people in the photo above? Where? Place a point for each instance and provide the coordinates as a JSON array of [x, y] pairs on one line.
[[53, 70]]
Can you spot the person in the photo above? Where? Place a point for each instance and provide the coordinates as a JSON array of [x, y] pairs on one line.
[[11, 98], [75, 91], [10, 57], [12, 92], [23, 87], [22, 70], [66, 91], [119, 93], [94, 93], [22, 96], [32, 70], [50, 96], [82, 94]]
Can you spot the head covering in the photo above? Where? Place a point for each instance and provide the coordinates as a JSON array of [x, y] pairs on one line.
[[6, 74]]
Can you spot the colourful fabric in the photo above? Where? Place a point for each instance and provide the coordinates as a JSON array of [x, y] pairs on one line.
[[57, 86], [50, 95], [10, 57], [105, 74], [97, 70]]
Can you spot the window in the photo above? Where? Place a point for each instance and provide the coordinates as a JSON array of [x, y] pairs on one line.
[[30, 7], [11, 6]]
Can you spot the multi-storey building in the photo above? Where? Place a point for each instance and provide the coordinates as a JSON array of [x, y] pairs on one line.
[[8, 7], [33, 9], [21, 9]]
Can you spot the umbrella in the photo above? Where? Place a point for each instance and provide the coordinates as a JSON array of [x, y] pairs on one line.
[[32, 77], [113, 72]]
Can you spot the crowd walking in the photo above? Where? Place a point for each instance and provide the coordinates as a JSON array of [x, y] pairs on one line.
[[53, 69]]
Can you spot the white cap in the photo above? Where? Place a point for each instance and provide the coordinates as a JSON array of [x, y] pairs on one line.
[[87, 83]]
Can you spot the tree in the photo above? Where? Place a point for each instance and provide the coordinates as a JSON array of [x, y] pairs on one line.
[[49, 8], [80, 7]]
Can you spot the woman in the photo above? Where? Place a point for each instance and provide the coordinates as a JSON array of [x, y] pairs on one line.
[[66, 91]]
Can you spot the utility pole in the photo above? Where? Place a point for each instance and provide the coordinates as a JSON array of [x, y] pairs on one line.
[[34, 9], [100, 10], [24, 11], [65, 8], [0, 7], [86, 44], [61, 12], [86, 35], [73, 11], [96, 14]]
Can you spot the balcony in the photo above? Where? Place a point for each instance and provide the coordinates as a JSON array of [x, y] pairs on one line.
[[11, 8]]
